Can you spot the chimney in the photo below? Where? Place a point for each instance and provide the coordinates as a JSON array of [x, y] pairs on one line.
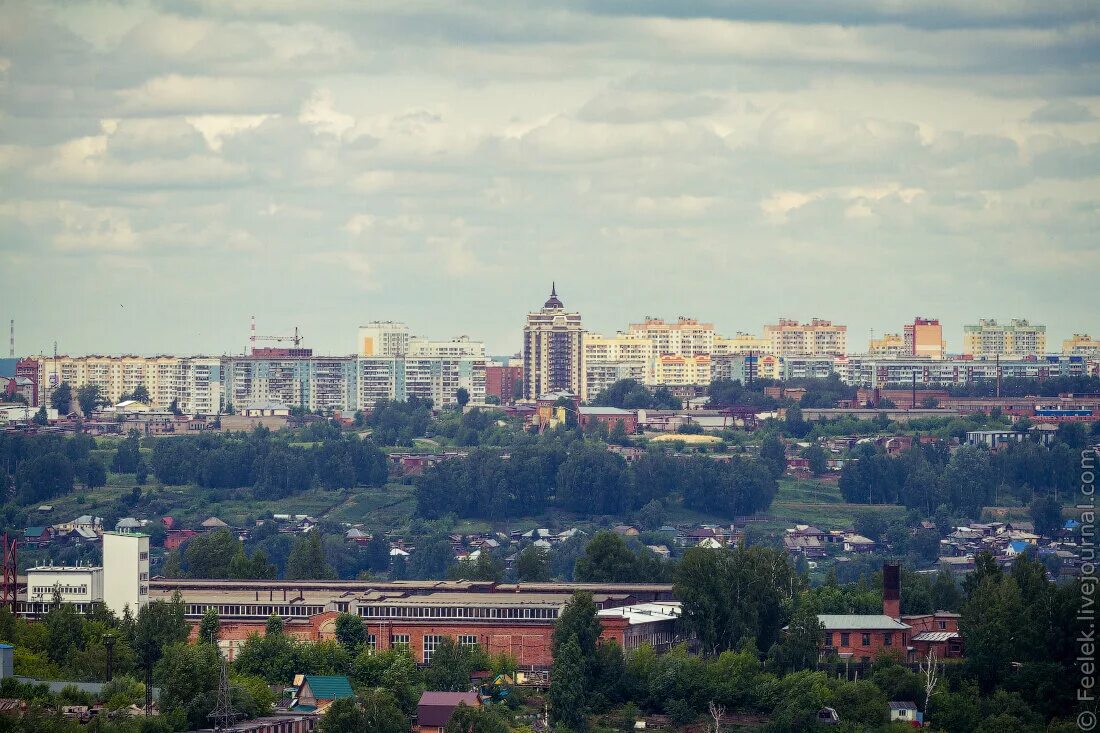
[[891, 590]]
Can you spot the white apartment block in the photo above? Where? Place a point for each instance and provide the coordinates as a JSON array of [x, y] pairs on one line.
[[1017, 338], [457, 348], [816, 338], [685, 336], [114, 375], [674, 370], [125, 571], [434, 378], [383, 338], [741, 343], [607, 359]]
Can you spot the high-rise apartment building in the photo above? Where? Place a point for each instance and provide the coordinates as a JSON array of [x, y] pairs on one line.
[[435, 378], [383, 338], [457, 348], [552, 355], [674, 370], [607, 359], [924, 337], [891, 344], [1018, 337], [816, 338], [685, 336], [1081, 345], [741, 343]]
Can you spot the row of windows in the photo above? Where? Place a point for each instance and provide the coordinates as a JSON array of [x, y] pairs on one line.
[[198, 609], [48, 590], [456, 612], [864, 638]]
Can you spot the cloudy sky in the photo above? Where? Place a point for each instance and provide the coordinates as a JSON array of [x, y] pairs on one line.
[[169, 169]]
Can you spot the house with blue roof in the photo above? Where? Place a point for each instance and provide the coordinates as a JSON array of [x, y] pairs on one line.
[[317, 692], [1017, 547]]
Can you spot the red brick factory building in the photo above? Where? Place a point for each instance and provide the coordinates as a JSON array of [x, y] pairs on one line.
[[516, 619]]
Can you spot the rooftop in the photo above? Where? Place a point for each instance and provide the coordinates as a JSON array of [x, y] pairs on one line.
[[860, 622]]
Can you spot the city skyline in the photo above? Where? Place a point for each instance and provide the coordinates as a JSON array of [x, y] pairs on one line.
[[169, 170], [856, 344]]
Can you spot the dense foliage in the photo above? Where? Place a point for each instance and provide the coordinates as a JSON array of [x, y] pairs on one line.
[[584, 477], [928, 476]]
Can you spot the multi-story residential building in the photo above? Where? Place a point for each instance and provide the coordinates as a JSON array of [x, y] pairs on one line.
[[684, 337], [456, 348], [924, 337], [741, 343], [675, 370], [1018, 337], [503, 381], [808, 367], [891, 344], [315, 383], [552, 355], [434, 378], [877, 372], [1081, 345], [200, 386], [607, 359], [816, 338], [31, 391], [115, 375], [383, 338]]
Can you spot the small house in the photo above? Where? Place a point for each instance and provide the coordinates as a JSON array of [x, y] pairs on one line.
[[905, 712], [435, 709], [315, 691]]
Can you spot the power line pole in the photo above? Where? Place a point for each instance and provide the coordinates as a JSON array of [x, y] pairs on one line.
[[222, 715]]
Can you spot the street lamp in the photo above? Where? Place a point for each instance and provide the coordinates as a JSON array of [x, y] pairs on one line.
[[109, 642]]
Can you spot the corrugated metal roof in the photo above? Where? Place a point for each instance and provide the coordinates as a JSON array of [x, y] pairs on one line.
[[329, 687], [936, 636], [860, 622]]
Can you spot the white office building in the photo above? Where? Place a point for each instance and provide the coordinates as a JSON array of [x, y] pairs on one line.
[[80, 585], [125, 571]]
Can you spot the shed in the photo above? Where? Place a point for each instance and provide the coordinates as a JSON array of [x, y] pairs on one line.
[[434, 710]]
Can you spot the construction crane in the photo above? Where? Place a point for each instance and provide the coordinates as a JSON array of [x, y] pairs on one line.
[[253, 338]]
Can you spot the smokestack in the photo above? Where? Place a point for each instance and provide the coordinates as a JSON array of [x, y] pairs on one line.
[[891, 590]]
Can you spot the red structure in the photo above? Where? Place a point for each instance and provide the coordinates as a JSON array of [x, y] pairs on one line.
[[503, 382], [9, 590]]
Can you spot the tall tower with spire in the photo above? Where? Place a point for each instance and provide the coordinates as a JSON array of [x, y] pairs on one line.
[[552, 349]]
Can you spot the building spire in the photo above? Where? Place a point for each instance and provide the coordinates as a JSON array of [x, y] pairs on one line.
[[553, 301]]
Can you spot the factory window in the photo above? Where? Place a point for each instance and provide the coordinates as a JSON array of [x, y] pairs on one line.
[[844, 638], [866, 639], [467, 640], [399, 641], [143, 556], [372, 642], [431, 641]]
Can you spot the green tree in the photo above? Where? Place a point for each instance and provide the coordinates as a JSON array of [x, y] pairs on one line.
[[159, 624], [141, 394], [89, 398], [382, 713], [64, 630], [307, 559], [819, 462], [533, 565], [210, 626], [344, 716], [61, 399], [774, 455], [451, 667], [378, 552], [802, 643], [350, 632], [578, 621], [466, 719], [568, 691], [209, 555], [1046, 515], [462, 397], [41, 417]]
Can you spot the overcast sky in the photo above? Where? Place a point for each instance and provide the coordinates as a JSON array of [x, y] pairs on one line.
[[169, 169]]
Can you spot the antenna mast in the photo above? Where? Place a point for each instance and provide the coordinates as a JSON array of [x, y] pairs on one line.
[[12, 352]]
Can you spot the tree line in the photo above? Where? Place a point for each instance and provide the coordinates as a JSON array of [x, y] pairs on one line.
[[929, 476], [580, 476]]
